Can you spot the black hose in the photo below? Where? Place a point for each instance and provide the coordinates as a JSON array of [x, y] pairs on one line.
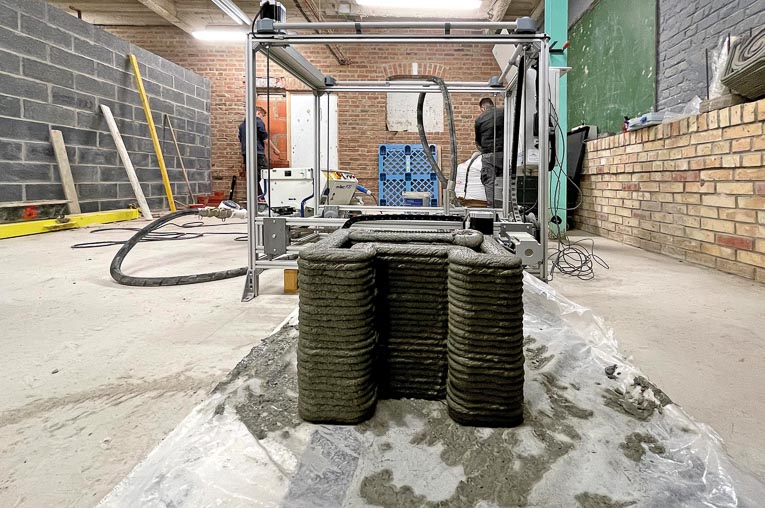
[[467, 171], [517, 118], [424, 140], [116, 267], [421, 128]]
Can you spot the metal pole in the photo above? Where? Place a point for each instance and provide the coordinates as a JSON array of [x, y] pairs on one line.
[[506, 154], [409, 89], [317, 153], [285, 40], [456, 25], [413, 82], [511, 62], [251, 283], [544, 129]]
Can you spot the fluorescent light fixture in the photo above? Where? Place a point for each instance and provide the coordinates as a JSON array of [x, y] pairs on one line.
[[233, 11], [220, 35], [442, 5]]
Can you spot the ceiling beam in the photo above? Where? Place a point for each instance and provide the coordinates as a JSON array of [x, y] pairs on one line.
[[498, 10], [312, 14], [167, 10], [538, 13]]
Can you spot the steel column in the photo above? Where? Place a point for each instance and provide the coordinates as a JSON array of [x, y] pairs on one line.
[[251, 284], [556, 26], [317, 190], [543, 97]]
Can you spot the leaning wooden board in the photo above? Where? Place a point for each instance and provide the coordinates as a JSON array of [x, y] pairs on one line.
[[62, 160]]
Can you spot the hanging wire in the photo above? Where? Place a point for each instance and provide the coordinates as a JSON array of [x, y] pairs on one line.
[[572, 258]]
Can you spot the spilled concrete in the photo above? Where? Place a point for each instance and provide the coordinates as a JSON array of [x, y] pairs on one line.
[[248, 446]]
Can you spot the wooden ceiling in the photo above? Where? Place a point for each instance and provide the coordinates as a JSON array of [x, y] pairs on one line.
[[197, 14]]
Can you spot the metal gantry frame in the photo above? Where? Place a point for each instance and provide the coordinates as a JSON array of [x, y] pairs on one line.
[[277, 40]]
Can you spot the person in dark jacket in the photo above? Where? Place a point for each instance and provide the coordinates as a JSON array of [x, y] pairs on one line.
[[262, 138], [489, 136]]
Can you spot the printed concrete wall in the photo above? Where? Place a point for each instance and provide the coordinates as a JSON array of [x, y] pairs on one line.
[[55, 72]]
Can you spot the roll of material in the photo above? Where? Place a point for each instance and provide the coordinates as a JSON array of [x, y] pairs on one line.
[[745, 72]]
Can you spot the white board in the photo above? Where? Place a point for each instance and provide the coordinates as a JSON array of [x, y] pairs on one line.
[[302, 154], [402, 112]]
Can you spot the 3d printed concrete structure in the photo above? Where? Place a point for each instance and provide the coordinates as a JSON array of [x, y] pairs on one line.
[[418, 315]]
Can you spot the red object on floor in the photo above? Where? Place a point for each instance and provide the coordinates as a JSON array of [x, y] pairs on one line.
[[213, 199]]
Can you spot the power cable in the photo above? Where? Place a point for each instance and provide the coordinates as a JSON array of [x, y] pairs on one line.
[[574, 259], [164, 236]]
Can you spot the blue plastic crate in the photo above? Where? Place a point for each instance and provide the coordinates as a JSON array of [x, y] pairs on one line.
[[405, 168]]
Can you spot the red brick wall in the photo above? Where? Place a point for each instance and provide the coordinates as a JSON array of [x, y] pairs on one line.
[[693, 189], [361, 117]]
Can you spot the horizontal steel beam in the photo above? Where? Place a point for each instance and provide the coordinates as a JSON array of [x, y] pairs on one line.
[[410, 89], [281, 39], [440, 25]]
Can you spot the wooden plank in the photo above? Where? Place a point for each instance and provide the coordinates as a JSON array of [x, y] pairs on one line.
[[62, 160], [123, 153], [180, 159], [69, 222], [153, 133]]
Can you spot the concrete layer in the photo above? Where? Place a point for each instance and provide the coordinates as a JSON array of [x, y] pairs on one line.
[[696, 332], [96, 374]]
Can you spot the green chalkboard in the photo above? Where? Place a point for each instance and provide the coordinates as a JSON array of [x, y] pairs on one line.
[[613, 61]]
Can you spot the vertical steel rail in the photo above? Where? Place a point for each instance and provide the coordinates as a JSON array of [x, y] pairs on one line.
[[317, 153], [506, 154], [543, 96], [253, 237]]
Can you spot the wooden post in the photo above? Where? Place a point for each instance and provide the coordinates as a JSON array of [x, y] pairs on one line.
[[153, 133], [70, 191], [180, 158], [123, 153]]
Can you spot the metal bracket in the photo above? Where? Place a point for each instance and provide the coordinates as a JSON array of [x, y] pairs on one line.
[[526, 25], [275, 236], [265, 26], [526, 247]]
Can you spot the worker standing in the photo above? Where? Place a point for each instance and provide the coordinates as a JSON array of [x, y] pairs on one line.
[[489, 136], [262, 138]]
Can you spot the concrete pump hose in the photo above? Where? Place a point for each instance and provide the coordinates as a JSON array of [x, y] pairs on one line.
[[127, 280]]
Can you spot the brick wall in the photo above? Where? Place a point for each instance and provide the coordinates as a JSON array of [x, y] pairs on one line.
[[361, 117], [56, 71], [693, 189], [686, 29]]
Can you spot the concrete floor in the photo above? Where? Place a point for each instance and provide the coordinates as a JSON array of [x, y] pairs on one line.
[[699, 334], [96, 374]]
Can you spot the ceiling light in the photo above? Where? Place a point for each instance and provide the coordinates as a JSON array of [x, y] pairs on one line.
[[233, 11], [220, 35], [443, 5]]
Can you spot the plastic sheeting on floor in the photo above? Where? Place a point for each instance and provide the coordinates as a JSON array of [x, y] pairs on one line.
[[596, 433]]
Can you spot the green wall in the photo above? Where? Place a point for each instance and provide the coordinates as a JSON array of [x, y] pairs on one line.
[[613, 61]]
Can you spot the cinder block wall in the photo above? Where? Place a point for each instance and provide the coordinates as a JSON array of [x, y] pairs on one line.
[[362, 122], [686, 29], [55, 72], [693, 189]]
